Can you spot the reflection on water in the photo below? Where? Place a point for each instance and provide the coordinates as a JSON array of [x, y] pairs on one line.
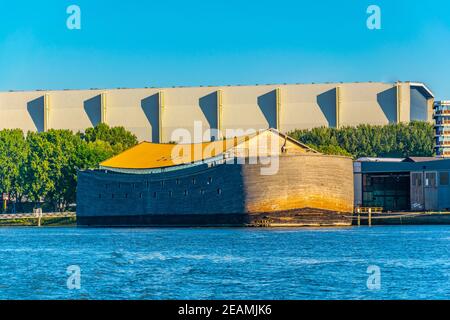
[[225, 263]]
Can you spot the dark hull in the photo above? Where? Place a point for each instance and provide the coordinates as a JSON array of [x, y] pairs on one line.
[[307, 218]]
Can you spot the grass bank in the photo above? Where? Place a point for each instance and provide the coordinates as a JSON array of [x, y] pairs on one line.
[[45, 222]]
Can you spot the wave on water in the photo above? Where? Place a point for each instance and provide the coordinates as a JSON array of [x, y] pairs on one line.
[[212, 257]]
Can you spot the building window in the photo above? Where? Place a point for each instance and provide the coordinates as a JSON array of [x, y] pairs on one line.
[[219, 191], [367, 181], [210, 180], [126, 195], [140, 195], [119, 185], [186, 192], [178, 181], [417, 179], [444, 178], [202, 192], [154, 194], [430, 179], [193, 181], [170, 193], [162, 183], [147, 184]]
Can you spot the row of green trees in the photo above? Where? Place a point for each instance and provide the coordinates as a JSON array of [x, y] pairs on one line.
[[394, 140], [43, 166]]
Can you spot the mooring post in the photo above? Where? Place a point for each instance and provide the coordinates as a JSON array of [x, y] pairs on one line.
[[39, 216], [370, 217], [359, 217]]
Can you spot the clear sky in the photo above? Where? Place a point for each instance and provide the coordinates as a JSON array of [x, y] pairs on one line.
[[139, 43]]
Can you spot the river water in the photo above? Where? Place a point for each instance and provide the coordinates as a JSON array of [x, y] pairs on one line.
[[409, 262]]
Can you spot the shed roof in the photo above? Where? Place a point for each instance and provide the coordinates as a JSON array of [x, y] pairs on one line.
[[422, 159], [405, 166]]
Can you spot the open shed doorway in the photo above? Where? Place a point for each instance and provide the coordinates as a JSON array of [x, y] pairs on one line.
[[390, 191]]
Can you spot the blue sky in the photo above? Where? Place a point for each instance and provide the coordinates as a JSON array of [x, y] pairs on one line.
[[169, 43]]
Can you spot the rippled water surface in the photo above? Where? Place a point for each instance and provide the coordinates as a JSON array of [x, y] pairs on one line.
[[225, 263]]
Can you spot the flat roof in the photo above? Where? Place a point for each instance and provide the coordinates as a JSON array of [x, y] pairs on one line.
[[405, 166], [422, 87]]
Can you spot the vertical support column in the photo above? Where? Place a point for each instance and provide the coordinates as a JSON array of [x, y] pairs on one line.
[[103, 103], [338, 107], [278, 109], [403, 102], [399, 101], [430, 110], [219, 113], [162, 106], [46, 112], [358, 184]]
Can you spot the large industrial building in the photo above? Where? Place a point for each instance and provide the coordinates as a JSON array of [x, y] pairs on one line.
[[153, 114]]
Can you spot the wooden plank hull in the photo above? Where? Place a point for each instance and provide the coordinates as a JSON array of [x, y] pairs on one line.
[[306, 190]]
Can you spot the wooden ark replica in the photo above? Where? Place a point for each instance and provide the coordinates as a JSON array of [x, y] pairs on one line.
[[265, 179]]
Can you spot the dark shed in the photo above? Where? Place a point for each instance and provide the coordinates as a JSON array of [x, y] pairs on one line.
[[415, 183]]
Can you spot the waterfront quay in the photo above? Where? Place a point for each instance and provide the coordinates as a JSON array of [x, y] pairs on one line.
[[368, 218], [38, 219], [361, 219]]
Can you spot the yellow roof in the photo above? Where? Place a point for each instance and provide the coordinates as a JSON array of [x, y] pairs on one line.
[[147, 155]]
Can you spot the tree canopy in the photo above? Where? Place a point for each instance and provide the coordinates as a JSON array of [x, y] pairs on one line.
[[393, 140], [43, 166]]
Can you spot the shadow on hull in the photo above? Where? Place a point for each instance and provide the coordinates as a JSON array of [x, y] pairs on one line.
[[293, 218]]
